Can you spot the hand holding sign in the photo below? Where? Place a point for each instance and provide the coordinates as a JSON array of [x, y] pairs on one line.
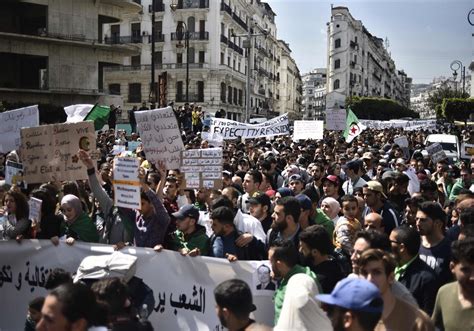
[[85, 159]]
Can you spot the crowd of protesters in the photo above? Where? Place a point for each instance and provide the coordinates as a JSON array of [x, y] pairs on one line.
[[359, 236]]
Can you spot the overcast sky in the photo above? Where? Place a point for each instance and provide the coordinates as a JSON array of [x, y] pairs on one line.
[[424, 36]]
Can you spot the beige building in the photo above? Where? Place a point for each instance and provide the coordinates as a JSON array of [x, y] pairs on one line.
[[218, 50], [53, 52]]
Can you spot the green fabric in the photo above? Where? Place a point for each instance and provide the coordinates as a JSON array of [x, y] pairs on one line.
[[99, 115], [448, 314], [352, 122], [83, 227], [322, 219], [457, 187], [279, 295], [197, 239], [399, 271]]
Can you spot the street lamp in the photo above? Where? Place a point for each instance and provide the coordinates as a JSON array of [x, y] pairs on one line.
[[182, 30], [455, 66], [153, 89]]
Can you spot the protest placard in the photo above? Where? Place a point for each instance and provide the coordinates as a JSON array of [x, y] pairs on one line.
[[49, 152], [10, 124], [467, 150], [126, 182], [202, 168], [436, 152], [308, 130], [404, 145], [133, 145], [233, 130], [335, 119], [35, 209], [160, 136], [214, 139], [13, 173]]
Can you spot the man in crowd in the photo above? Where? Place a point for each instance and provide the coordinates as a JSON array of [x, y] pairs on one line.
[[353, 170], [285, 221], [251, 183], [260, 208], [462, 183], [375, 199], [296, 183], [374, 221]]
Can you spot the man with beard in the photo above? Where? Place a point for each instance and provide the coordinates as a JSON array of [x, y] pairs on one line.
[[354, 304], [316, 170], [462, 183], [285, 221], [454, 308], [234, 304], [375, 199], [315, 252], [283, 257]]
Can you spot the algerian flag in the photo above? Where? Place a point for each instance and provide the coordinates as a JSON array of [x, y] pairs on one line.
[[96, 113], [353, 127]]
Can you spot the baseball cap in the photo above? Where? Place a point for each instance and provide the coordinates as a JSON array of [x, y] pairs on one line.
[[332, 178], [187, 211], [389, 174], [260, 199], [354, 294], [375, 186], [296, 177], [353, 165], [285, 192], [304, 201], [368, 156]]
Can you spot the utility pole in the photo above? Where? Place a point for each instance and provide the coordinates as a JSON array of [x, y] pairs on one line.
[[153, 92]]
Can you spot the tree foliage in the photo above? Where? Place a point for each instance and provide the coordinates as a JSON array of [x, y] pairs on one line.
[[436, 98], [379, 108], [457, 109]]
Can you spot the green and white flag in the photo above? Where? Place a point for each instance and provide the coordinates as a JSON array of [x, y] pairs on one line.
[[353, 127], [83, 112]]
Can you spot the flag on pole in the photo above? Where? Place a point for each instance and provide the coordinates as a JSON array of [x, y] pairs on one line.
[[83, 112], [353, 127]]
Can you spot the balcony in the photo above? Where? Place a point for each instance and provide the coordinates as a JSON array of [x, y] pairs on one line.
[[159, 7], [352, 64], [159, 38], [192, 97], [160, 66], [354, 45], [130, 6], [201, 35], [119, 40], [262, 50], [193, 4], [235, 47], [226, 8], [239, 21], [224, 39]]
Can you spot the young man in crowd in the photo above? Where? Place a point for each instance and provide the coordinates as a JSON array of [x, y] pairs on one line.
[[375, 199], [286, 214], [251, 183], [260, 208], [353, 170]]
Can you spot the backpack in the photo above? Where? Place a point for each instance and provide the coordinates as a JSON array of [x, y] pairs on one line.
[[343, 259]]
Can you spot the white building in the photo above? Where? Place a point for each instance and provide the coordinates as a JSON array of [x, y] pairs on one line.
[[52, 52], [217, 56], [314, 93], [359, 64]]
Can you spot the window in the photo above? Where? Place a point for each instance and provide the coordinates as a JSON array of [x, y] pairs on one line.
[[135, 60], [114, 89], [158, 57], [223, 90], [235, 96], [200, 91], [179, 90], [191, 24], [136, 33], [202, 56], [191, 55], [222, 29], [355, 39], [336, 84], [134, 92], [179, 58], [355, 58], [337, 64], [229, 94], [222, 57], [337, 43], [240, 97]]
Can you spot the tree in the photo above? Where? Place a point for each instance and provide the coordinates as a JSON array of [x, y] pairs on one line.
[[378, 108], [457, 109], [435, 98]]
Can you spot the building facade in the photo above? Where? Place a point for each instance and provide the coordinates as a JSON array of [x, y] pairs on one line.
[[53, 52], [314, 93], [215, 60], [359, 63]]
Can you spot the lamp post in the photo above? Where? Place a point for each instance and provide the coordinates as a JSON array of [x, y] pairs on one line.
[[153, 87], [182, 29], [455, 66]]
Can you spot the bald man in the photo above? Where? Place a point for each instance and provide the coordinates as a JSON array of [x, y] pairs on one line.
[[373, 221]]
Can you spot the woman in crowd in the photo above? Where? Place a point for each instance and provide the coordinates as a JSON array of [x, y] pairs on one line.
[[50, 222], [16, 224], [331, 208]]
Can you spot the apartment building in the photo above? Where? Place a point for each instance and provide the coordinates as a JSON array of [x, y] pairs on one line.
[[314, 93]]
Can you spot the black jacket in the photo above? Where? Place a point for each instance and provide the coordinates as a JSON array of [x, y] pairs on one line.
[[421, 281], [255, 250]]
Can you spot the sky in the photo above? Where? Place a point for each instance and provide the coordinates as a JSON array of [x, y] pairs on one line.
[[424, 36]]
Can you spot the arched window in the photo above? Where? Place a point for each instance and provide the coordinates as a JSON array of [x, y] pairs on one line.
[[336, 84], [191, 24]]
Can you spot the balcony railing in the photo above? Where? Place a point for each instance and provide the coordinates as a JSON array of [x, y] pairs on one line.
[[159, 38], [192, 97], [226, 8], [224, 39], [262, 50], [193, 4], [164, 66], [200, 35], [239, 21], [116, 40], [159, 7], [235, 47]]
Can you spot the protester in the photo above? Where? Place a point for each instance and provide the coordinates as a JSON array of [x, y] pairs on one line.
[[375, 199], [285, 221], [15, 214], [347, 226], [34, 313]]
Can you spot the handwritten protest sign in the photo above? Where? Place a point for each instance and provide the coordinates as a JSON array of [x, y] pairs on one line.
[[49, 152], [233, 130], [436, 152], [336, 119], [308, 130], [160, 136], [202, 168], [13, 173], [10, 124], [126, 183], [404, 145], [35, 209]]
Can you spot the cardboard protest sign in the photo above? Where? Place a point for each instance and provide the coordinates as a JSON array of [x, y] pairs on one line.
[[335, 119], [202, 168], [10, 124], [233, 130], [160, 136], [126, 183], [435, 151], [308, 130], [404, 145], [49, 152], [13, 173], [35, 209]]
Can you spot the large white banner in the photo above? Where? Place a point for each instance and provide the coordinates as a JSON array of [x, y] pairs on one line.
[[402, 124], [182, 286], [308, 130], [10, 124], [233, 130]]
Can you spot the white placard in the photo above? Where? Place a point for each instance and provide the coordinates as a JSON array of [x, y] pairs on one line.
[[336, 119], [308, 130], [401, 141], [10, 124], [13, 173], [214, 139], [202, 167], [126, 183], [436, 152], [160, 136], [35, 209], [233, 130]]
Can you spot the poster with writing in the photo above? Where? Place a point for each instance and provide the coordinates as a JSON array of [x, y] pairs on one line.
[[214, 139], [436, 152], [49, 152], [335, 119], [404, 145], [308, 130], [126, 183], [235, 130], [133, 145], [202, 168], [10, 124], [160, 136], [13, 173], [35, 209]]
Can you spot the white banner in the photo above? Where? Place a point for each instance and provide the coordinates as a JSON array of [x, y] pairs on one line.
[[336, 119], [126, 183], [174, 279], [13, 173], [233, 130], [202, 168], [10, 124], [308, 130], [403, 124], [160, 135]]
